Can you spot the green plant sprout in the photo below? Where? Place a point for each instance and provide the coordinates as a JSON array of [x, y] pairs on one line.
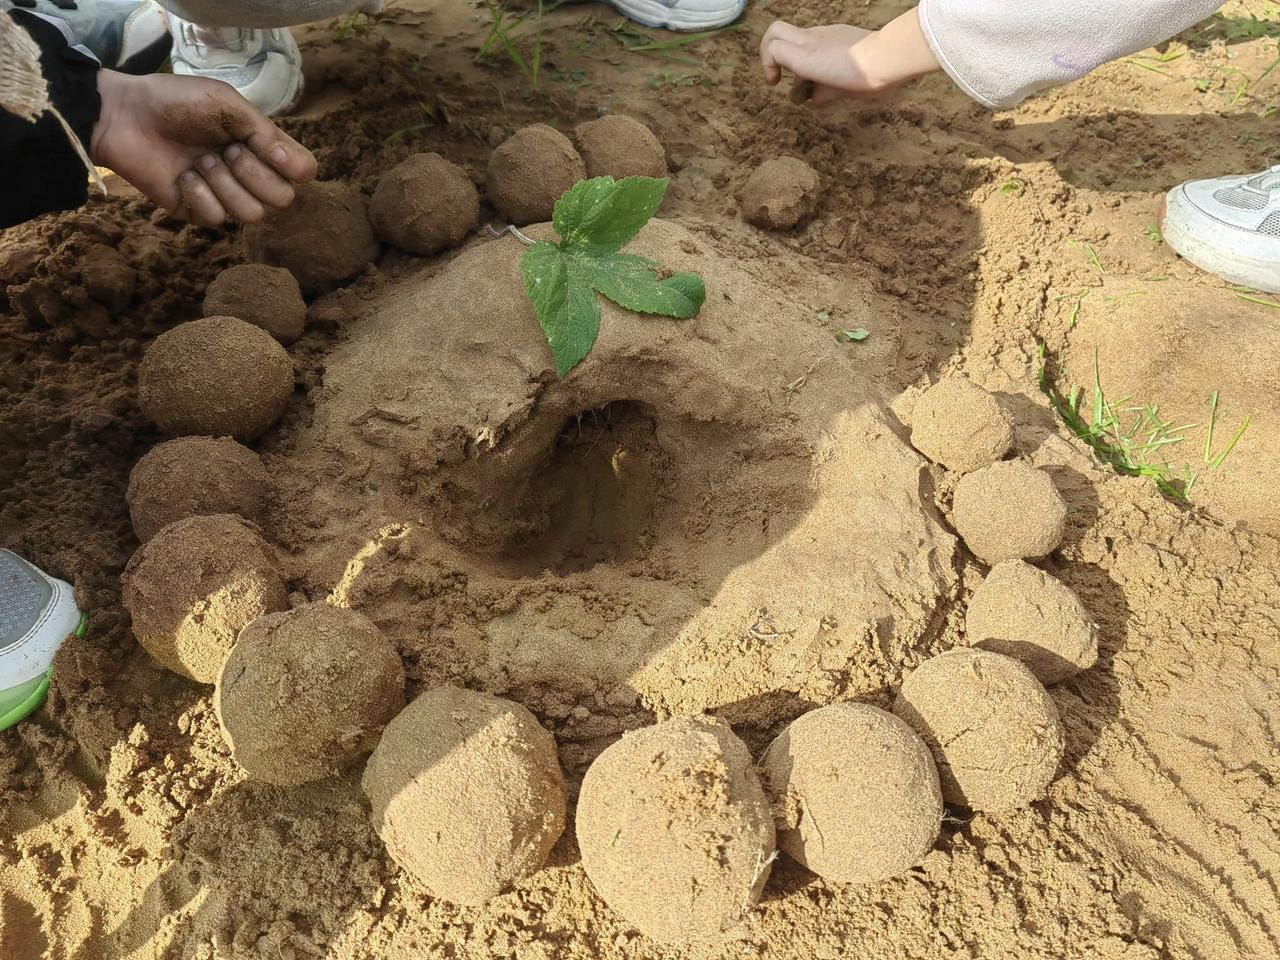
[[506, 32], [1132, 438], [595, 219], [1016, 186]]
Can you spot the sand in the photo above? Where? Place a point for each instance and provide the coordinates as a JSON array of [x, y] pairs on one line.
[[782, 193], [751, 534], [424, 204], [267, 297], [192, 476], [617, 146], [529, 171]]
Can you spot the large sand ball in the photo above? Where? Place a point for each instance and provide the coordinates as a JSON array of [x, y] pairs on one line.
[[1009, 511], [530, 171], [992, 727], [675, 830], [959, 425], [305, 693], [191, 476], [324, 238], [467, 793], [424, 205], [855, 791], [781, 194], [194, 586], [215, 377], [1022, 612], [617, 146], [267, 297]]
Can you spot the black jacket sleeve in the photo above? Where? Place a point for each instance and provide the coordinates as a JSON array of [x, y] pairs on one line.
[[41, 169]]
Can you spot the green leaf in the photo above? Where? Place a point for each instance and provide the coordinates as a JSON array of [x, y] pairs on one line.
[[630, 281], [567, 309], [853, 336], [603, 214]]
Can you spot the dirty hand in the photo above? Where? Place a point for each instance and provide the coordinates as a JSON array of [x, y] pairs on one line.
[[196, 147], [844, 61]]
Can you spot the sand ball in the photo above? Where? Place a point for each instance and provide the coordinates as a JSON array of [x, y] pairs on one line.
[[992, 727], [467, 793], [856, 793], [190, 476], [1022, 612], [267, 297], [782, 193], [424, 205], [305, 693], [193, 586], [1009, 511], [959, 425], [675, 830], [529, 172], [324, 239], [214, 377], [617, 146]]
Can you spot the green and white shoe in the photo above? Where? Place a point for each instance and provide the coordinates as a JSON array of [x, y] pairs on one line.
[[37, 613]]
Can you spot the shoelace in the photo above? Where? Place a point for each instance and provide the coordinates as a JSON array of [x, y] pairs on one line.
[[205, 39]]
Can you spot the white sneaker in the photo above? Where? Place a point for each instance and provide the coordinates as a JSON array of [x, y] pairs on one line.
[[682, 15], [126, 35], [265, 66], [37, 613], [1229, 226]]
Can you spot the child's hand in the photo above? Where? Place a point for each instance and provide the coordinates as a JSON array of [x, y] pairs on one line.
[[844, 61], [823, 55], [196, 147]]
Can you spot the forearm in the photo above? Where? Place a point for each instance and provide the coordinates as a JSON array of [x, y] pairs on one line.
[[43, 168], [1001, 57], [895, 54]]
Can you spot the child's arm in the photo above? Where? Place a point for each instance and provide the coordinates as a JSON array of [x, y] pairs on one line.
[[998, 56]]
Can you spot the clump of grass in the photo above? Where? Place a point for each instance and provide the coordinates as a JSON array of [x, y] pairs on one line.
[[1133, 438], [506, 33]]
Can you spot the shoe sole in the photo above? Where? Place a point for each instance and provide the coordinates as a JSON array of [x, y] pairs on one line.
[[658, 16], [26, 698], [1244, 271]]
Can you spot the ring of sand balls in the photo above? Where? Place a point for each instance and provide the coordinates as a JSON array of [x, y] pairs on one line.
[[677, 826]]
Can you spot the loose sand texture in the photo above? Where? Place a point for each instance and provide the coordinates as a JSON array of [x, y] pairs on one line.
[[721, 516]]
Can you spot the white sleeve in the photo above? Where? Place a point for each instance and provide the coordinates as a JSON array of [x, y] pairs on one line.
[[1002, 51]]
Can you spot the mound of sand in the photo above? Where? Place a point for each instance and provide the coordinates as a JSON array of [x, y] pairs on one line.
[[993, 729], [529, 172], [192, 587], [1024, 613], [695, 496], [306, 692], [267, 297], [218, 377], [675, 830], [193, 476], [617, 146], [1207, 342], [467, 793], [855, 793]]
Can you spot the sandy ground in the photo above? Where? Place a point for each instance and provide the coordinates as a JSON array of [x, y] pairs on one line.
[[722, 517]]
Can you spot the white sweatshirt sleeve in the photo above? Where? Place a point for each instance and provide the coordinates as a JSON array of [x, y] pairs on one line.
[[1002, 51]]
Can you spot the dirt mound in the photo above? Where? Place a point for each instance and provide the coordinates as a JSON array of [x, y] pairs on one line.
[[1026, 614], [424, 205], [193, 476], [993, 729], [267, 297], [324, 239], [1201, 348], [617, 146], [467, 793], [192, 587], [681, 486], [306, 692], [529, 171], [219, 377], [675, 831], [855, 791]]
